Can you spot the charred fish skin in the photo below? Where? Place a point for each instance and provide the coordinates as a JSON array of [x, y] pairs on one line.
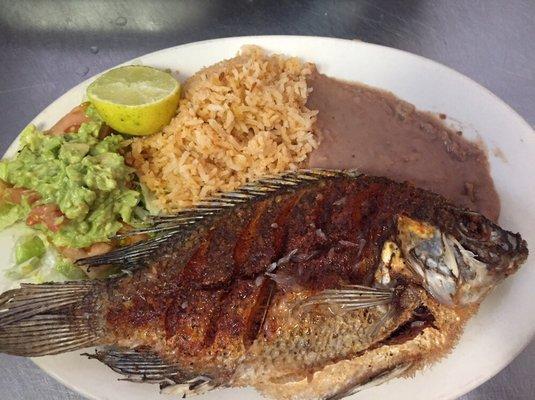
[[388, 273]]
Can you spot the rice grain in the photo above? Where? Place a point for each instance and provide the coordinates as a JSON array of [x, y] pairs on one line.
[[238, 120]]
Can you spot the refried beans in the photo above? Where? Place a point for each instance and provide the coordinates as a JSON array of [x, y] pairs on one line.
[[375, 132]]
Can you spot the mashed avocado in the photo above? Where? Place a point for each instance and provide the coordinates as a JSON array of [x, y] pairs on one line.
[[84, 176], [11, 213]]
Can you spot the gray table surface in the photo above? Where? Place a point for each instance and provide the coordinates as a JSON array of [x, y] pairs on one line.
[[46, 47]]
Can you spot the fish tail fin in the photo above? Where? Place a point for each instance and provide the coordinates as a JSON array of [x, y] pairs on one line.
[[51, 318]]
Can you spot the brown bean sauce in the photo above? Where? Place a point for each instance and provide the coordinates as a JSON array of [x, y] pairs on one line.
[[377, 133]]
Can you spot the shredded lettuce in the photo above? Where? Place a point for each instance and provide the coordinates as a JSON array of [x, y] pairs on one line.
[[34, 260], [29, 247]]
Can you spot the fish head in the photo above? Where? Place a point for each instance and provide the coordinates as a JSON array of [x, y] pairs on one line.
[[459, 263]]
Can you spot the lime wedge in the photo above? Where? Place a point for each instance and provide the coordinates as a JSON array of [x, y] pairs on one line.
[[135, 99]]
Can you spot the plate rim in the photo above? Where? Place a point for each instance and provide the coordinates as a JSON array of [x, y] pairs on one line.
[[460, 390]]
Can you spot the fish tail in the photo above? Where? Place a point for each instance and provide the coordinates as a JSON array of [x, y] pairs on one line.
[[51, 318]]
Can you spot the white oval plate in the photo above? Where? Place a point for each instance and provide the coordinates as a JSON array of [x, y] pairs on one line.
[[506, 321]]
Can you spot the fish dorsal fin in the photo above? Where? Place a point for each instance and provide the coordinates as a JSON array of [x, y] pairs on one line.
[[186, 220], [222, 201]]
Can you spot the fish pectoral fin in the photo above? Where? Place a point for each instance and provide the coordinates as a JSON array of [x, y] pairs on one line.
[[374, 380], [385, 319], [349, 298], [143, 365]]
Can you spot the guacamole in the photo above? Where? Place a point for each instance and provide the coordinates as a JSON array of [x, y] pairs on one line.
[[86, 178]]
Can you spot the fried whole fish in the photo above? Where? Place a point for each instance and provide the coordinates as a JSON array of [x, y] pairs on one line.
[[313, 284]]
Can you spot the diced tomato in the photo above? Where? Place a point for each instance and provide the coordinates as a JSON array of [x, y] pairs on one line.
[[105, 130], [48, 214], [70, 122], [15, 195], [94, 250]]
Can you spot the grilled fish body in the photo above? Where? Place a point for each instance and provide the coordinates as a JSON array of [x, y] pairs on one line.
[[309, 285]]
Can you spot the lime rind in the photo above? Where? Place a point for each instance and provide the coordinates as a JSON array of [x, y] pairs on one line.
[[136, 100]]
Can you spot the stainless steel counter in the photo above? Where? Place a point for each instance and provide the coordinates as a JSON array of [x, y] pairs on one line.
[[46, 47]]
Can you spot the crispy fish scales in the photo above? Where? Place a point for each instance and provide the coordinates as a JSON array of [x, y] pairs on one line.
[[313, 284]]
